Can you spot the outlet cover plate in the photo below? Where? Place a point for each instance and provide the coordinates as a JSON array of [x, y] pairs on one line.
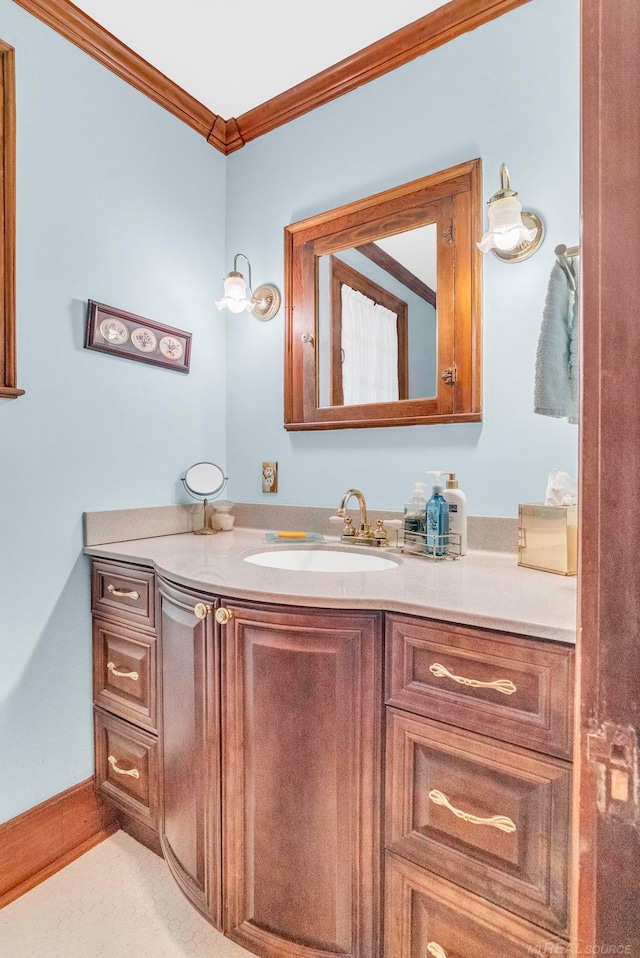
[[269, 476]]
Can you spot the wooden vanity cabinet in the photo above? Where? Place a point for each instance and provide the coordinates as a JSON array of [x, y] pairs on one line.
[[190, 748], [252, 737], [125, 681], [488, 816], [302, 733], [428, 917], [477, 828]]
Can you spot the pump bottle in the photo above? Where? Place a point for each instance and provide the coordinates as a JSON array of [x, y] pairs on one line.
[[415, 510], [457, 512], [437, 516]]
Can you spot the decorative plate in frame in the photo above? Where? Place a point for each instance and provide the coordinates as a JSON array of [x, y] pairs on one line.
[[114, 331], [144, 339], [171, 347]]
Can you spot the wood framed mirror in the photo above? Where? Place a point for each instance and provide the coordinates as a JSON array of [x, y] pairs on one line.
[[383, 308]]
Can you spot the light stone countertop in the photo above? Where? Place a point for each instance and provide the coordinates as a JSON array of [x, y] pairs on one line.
[[485, 589]]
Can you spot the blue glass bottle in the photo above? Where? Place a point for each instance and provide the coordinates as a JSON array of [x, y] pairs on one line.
[[437, 522]]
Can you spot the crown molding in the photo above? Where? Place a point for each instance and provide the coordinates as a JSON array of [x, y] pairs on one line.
[[393, 51], [74, 24], [227, 136]]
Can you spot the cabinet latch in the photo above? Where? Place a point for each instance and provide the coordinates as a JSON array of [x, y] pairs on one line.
[[613, 749], [450, 376]]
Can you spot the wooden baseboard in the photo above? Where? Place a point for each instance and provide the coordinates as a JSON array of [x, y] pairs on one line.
[[41, 841]]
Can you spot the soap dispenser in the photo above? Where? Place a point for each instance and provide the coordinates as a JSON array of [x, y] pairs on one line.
[[415, 509], [437, 520], [457, 511]]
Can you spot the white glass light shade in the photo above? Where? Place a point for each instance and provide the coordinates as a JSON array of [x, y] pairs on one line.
[[506, 228], [235, 297]]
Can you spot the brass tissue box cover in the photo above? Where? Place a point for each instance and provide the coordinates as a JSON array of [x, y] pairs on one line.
[[548, 538]]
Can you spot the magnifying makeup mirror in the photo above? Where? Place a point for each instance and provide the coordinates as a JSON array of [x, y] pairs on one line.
[[204, 480]]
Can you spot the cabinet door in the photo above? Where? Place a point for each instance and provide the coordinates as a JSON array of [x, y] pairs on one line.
[[488, 816], [301, 781], [512, 688], [190, 748], [427, 917]]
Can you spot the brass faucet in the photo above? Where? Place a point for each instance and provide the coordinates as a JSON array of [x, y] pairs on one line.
[[364, 534]]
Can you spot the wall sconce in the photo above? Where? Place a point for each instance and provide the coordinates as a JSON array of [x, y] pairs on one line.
[[264, 303], [513, 235]]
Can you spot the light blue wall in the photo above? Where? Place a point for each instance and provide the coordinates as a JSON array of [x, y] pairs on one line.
[[508, 91], [120, 202]]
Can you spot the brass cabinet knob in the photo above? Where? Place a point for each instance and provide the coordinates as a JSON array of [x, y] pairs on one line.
[[201, 611], [223, 615]]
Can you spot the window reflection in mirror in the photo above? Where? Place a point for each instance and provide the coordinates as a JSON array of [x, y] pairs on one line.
[[377, 326], [383, 307]]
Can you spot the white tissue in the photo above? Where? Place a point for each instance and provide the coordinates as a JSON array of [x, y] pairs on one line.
[[562, 489]]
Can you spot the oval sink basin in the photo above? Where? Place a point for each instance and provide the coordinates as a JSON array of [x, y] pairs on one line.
[[321, 560]]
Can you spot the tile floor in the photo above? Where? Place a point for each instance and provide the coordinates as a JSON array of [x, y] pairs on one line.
[[117, 901]]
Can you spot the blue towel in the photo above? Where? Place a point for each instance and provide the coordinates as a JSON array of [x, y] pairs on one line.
[[557, 363]]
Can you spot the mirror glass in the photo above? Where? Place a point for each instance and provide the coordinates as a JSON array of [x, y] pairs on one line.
[[204, 480], [377, 320]]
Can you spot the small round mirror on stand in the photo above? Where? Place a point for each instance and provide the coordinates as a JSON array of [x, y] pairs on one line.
[[204, 480]]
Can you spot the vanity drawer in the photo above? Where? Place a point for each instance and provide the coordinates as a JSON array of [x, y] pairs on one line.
[[427, 917], [513, 688], [127, 767], [123, 592], [493, 818], [124, 672]]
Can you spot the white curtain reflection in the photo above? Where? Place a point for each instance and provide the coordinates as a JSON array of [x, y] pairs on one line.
[[370, 350]]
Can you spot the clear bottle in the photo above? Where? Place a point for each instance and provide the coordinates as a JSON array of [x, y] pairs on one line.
[[457, 512], [437, 521], [414, 511]]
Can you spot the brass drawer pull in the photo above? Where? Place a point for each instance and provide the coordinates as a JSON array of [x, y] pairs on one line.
[[113, 762], [497, 821], [505, 686], [436, 950], [122, 593], [223, 615], [201, 611], [125, 675]]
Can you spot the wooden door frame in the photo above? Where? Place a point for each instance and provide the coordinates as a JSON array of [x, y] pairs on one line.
[[607, 827]]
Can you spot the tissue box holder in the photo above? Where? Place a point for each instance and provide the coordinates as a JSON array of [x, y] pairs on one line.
[[548, 538]]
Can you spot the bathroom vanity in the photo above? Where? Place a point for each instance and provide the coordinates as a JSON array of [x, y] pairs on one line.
[[340, 765]]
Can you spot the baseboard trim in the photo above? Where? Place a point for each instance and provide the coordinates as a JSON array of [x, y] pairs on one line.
[[41, 841]]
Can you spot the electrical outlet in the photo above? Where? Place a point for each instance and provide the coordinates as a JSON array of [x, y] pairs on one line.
[[269, 476]]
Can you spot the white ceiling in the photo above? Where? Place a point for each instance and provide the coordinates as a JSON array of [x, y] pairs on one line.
[[234, 56]]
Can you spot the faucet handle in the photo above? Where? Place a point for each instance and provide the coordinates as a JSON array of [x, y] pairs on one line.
[[381, 533], [348, 528]]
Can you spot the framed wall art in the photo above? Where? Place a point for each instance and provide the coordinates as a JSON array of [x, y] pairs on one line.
[[123, 334]]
